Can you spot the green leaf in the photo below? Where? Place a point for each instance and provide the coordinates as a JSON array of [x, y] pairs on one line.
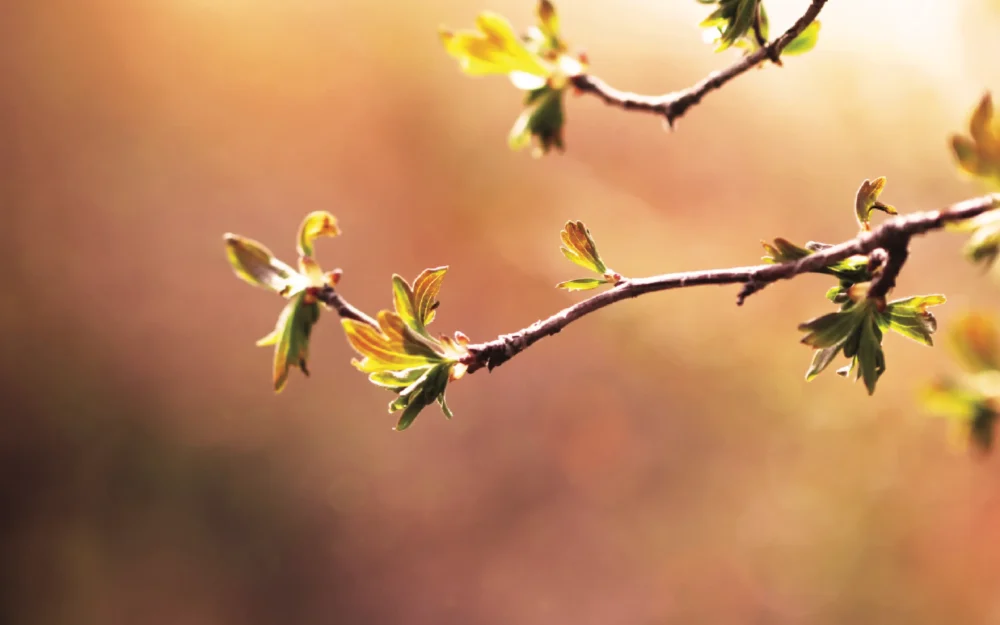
[[822, 359], [427, 389], [444, 406], [870, 358], [291, 337], [853, 269], [256, 265], [541, 120], [855, 332], [581, 284], [425, 292], [805, 42], [733, 21], [417, 306], [910, 317], [398, 379], [832, 328]]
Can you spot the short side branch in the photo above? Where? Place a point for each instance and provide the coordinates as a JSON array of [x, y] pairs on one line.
[[673, 105]]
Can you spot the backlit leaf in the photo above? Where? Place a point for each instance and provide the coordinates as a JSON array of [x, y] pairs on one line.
[[253, 263], [316, 224], [579, 247], [581, 284], [291, 337], [867, 201], [805, 42]]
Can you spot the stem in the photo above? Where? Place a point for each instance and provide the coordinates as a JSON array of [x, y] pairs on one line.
[[673, 105], [893, 236]]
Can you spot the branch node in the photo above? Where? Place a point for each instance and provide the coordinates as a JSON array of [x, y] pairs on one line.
[[889, 259]]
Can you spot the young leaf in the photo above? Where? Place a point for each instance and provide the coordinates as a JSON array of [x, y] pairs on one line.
[[316, 224], [833, 328], [427, 389], [971, 413], [805, 42], [822, 359], [976, 342], [983, 245], [416, 306], [542, 120], [730, 22], [851, 270], [548, 21], [254, 264], [910, 317], [391, 347], [979, 153], [867, 201], [870, 358], [291, 337], [581, 284], [579, 247], [853, 331], [494, 48]]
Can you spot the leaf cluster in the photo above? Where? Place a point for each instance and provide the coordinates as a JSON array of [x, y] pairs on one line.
[[856, 331], [732, 25], [401, 354], [579, 247], [970, 400], [253, 263], [538, 63], [857, 328]]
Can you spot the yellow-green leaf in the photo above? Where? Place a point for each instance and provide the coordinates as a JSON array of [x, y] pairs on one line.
[[316, 224], [291, 337], [256, 265], [979, 153], [425, 292], [390, 347], [805, 42], [867, 201], [494, 48], [548, 20], [417, 305], [579, 247], [581, 284]]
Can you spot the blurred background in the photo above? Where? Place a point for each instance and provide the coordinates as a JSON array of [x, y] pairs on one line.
[[660, 462]]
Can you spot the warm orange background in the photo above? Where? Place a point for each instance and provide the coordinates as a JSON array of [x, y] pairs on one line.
[[662, 461]]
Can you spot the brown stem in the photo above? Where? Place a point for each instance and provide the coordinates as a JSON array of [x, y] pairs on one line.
[[673, 105], [893, 236], [758, 33]]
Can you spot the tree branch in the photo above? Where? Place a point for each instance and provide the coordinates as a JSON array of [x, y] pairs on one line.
[[673, 105], [886, 244]]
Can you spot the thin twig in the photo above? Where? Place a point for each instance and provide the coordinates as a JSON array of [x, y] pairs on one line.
[[758, 33], [335, 300], [892, 238], [673, 105]]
